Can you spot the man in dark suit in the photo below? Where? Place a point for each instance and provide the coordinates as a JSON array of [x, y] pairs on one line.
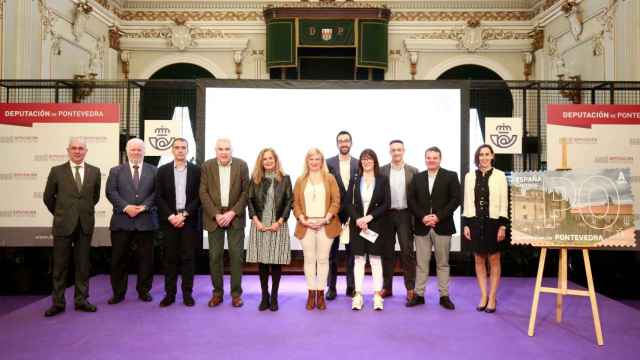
[[400, 221], [178, 201], [71, 193], [223, 192], [131, 190], [433, 196], [344, 168]]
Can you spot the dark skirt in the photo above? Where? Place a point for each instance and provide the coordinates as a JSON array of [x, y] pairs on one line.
[[361, 246], [484, 235]]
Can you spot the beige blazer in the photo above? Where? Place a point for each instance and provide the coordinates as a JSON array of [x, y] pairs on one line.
[[332, 204]]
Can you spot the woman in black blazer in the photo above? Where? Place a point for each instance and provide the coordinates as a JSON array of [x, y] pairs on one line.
[[369, 201]]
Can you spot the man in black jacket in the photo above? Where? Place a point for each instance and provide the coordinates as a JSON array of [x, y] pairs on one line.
[[71, 193], [178, 202], [433, 196]]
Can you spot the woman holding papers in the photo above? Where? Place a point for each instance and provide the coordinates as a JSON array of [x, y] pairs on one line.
[[485, 218], [369, 202], [316, 202]]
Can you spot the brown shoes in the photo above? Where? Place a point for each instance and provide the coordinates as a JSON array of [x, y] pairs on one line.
[[237, 302], [385, 293], [311, 300], [411, 294], [322, 305], [215, 300]]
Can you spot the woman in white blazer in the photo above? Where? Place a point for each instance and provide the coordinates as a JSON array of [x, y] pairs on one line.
[[485, 218]]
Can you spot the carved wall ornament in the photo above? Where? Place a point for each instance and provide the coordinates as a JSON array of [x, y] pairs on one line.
[[572, 13], [48, 20], [537, 39], [56, 46], [528, 59], [80, 19], [598, 46], [181, 36], [552, 46], [472, 38], [114, 37], [607, 18]]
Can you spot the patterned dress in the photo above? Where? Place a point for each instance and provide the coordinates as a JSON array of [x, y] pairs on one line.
[[268, 247]]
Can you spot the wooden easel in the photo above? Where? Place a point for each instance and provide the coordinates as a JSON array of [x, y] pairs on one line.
[[562, 289]]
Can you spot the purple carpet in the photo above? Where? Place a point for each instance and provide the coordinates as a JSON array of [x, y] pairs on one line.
[[137, 330]]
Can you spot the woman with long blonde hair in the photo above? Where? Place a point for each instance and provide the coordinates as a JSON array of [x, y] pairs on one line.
[[269, 200], [316, 202]]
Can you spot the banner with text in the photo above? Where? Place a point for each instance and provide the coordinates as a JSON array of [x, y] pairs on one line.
[[34, 137], [596, 137]]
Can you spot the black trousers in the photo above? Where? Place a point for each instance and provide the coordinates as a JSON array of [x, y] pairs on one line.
[[332, 278], [122, 242], [62, 248], [179, 252], [399, 223]]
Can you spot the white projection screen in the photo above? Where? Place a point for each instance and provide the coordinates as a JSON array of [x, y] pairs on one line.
[[293, 120]]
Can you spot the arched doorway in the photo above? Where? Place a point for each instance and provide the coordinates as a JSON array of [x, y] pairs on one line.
[[492, 102]]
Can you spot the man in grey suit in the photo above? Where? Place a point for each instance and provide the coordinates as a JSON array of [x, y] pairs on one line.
[[131, 189], [344, 168], [71, 193], [400, 222], [224, 183]]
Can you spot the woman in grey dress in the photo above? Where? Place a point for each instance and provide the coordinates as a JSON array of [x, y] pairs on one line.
[[269, 201]]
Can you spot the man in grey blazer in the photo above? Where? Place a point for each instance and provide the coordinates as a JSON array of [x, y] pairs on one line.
[[131, 190], [344, 168], [400, 221], [71, 193], [224, 183]]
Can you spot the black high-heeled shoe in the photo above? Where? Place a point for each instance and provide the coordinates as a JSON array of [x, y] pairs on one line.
[[490, 310], [482, 307]]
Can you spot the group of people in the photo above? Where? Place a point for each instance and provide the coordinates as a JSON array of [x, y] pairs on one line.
[[343, 199]]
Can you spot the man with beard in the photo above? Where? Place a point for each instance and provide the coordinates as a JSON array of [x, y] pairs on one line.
[[344, 168]]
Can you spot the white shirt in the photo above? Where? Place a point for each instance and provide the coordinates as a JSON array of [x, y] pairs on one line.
[[398, 186], [314, 200], [345, 171], [432, 179], [73, 170], [366, 192], [224, 171]]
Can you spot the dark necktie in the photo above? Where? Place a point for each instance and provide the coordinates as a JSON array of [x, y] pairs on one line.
[[78, 178], [136, 176]]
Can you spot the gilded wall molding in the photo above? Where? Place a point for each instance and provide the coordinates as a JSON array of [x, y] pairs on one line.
[[196, 34], [461, 15], [462, 10], [191, 15], [487, 34]]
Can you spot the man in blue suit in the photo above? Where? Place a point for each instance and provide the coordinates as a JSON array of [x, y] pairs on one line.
[[131, 190]]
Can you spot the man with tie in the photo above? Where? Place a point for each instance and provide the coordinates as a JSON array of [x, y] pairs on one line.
[[223, 192], [131, 190], [433, 196], [400, 222], [344, 168], [71, 193], [178, 201]]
